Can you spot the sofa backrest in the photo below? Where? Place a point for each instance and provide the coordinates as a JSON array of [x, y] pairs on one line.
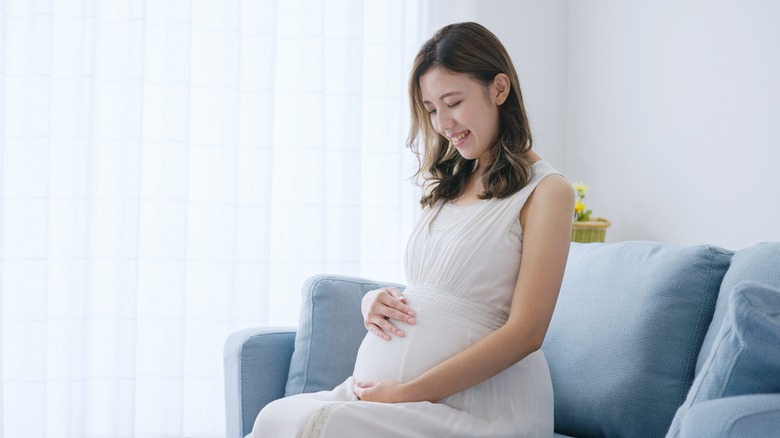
[[329, 332], [626, 332], [759, 263]]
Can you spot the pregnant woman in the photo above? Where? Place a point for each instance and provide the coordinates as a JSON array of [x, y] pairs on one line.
[[457, 353]]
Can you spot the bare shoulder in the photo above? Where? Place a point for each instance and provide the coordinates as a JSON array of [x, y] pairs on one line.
[[546, 219], [556, 186], [553, 194]]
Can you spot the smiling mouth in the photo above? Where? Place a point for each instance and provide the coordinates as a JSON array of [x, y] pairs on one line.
[[460, 138]]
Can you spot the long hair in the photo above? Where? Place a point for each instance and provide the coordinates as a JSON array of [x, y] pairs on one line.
[[471, 49]]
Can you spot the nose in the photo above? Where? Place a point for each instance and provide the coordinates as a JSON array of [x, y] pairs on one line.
[[443, 120]]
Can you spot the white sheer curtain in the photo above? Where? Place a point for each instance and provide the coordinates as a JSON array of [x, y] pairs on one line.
[[172, 171]]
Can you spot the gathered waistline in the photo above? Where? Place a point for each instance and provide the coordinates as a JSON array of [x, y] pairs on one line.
[[434, 298]]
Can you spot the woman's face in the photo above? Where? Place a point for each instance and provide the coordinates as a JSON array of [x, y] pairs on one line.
[[463, 111]]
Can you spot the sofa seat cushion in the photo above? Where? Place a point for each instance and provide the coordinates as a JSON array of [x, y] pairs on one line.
[[624, 338], [745, 358]]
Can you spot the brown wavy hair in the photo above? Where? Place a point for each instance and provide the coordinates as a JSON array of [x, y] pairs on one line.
[[468, 48]]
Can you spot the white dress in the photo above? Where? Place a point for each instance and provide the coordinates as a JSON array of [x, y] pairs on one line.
[[461, 266]]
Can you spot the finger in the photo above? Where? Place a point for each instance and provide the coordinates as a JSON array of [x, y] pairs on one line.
[[388, 327], [362, 384], [362, 390], [393, 309], [393, 302], [395, 292], [385, 325], [376, 330], [385, 328], [399, 316]]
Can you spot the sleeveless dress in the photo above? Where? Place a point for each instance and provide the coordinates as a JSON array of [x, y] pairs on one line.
[[462, 263]]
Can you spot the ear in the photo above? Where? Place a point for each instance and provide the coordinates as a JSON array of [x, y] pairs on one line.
[[500, 88]]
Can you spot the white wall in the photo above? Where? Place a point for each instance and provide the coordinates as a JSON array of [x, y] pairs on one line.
[[673, 118], [669, 110]]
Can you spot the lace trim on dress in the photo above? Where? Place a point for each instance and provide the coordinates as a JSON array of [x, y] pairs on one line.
[[317, 421]]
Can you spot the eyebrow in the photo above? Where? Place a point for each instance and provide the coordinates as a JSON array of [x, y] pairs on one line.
[[451, 93]]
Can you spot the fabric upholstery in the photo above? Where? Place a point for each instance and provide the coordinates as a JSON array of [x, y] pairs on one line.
[[745, 358], [622, 345], [626, 332], [746, 416], [761, 263], [256, 365], [329, 334]]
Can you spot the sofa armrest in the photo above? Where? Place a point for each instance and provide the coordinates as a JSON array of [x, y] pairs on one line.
[[740, 416], [256, 362]]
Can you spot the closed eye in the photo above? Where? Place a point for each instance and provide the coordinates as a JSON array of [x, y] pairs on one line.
[[453, 105]]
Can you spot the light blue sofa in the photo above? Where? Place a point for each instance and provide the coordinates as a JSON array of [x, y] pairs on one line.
[[647, 340]]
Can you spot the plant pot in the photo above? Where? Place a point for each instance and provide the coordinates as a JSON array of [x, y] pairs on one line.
[[594, 230]]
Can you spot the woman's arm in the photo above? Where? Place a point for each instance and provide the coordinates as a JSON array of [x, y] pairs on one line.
[[546, 218]]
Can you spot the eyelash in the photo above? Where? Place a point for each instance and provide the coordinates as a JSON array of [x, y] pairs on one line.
[[433, 111]]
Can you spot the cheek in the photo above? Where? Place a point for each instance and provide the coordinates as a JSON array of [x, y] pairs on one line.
[[487, 123], [435, 125]]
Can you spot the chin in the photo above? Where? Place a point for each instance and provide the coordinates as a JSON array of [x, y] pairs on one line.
[[466, 154]]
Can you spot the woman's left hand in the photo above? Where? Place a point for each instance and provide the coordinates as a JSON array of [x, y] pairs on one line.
[[382, 390]]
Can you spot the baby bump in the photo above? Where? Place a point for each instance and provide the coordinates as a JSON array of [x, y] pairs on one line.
[[430, 341], [445, 325]]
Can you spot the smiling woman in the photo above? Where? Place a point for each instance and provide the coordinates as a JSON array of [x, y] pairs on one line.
[[459, 112], [456, 86], [457, 353]]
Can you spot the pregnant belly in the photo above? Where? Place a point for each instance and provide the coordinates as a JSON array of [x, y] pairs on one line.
[[424, 345], [441, 331]]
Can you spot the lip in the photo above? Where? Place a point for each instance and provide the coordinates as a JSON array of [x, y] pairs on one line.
[[461, 138]]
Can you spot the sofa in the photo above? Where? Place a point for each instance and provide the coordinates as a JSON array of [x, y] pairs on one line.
[[648, 339]]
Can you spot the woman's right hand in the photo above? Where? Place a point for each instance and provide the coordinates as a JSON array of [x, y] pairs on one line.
[[380, 306]]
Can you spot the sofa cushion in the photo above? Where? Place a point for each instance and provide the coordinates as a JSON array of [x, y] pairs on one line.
[[757, 263], [329, 333], [754, 415], [627, 328], [745, 358]]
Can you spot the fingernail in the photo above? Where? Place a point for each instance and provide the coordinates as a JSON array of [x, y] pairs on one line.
[[411, 313], [411, 320], [400, 333]]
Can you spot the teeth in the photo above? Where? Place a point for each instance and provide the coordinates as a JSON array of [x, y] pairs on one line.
[[459, 137]]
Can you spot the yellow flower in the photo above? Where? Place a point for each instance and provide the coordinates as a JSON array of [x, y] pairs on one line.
[[580, 187], [581, 212]]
